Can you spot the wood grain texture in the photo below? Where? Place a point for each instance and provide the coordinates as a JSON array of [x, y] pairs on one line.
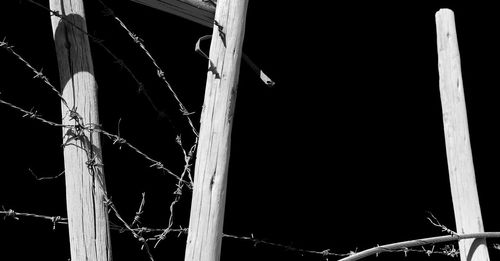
[[209, 192], [198, 11], [85, 185], [458, 149]]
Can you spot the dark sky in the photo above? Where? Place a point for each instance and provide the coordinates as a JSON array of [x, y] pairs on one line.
[[344, 153]]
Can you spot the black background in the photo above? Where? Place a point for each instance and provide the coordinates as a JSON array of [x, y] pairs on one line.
[[344, 153]]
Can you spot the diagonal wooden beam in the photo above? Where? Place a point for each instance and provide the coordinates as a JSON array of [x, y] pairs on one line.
[[199, 11]]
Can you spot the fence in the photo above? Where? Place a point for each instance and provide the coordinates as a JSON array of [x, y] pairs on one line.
[[121, 143]]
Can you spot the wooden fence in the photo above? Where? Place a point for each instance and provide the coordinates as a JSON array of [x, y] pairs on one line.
[[87, 200]]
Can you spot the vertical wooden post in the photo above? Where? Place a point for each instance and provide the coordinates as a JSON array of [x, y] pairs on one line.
[[85, 186], [458, 150], [209, 192]]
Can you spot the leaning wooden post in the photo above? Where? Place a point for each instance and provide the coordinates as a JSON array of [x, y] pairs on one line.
[[209, 192], [458, 150], [85, 186]]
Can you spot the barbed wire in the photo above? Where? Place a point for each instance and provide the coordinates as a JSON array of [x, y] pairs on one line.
[[405, 247], [402, 247], [32, 113], [113, 137], [38, 74], [139, 232], [15, 215], [159, 234], [160, 73], [256, 241], [410, 245], [138, 214], [116, 139], [138, 236], [435, 222], [153, 163], [76, 132], [178, 191], [120, 62], [188, 155], [44, 178]]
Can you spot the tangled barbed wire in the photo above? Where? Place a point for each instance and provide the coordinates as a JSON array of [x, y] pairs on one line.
[[429, 246], [145, 234], [76, 132]]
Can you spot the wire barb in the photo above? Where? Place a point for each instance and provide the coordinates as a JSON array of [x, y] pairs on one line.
[[37, 74], [44, 178], [434, 221], [138, 214]]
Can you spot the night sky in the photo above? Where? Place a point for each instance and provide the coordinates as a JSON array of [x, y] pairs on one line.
[[345, 152]]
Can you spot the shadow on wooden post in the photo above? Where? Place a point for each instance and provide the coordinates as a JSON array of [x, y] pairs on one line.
[[85, 186], [458, 150]]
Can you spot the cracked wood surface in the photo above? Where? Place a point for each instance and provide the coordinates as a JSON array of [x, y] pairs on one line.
[[212, 159], [458, 149], [84, 177]]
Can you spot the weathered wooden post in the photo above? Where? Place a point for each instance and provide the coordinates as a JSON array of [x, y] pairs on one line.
[[85, 186], [458, 150], [198, 11], [209, 192]]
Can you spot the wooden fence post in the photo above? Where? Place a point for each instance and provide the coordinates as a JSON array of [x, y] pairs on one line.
[[458, 150], [209, 192], [85, 185]]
